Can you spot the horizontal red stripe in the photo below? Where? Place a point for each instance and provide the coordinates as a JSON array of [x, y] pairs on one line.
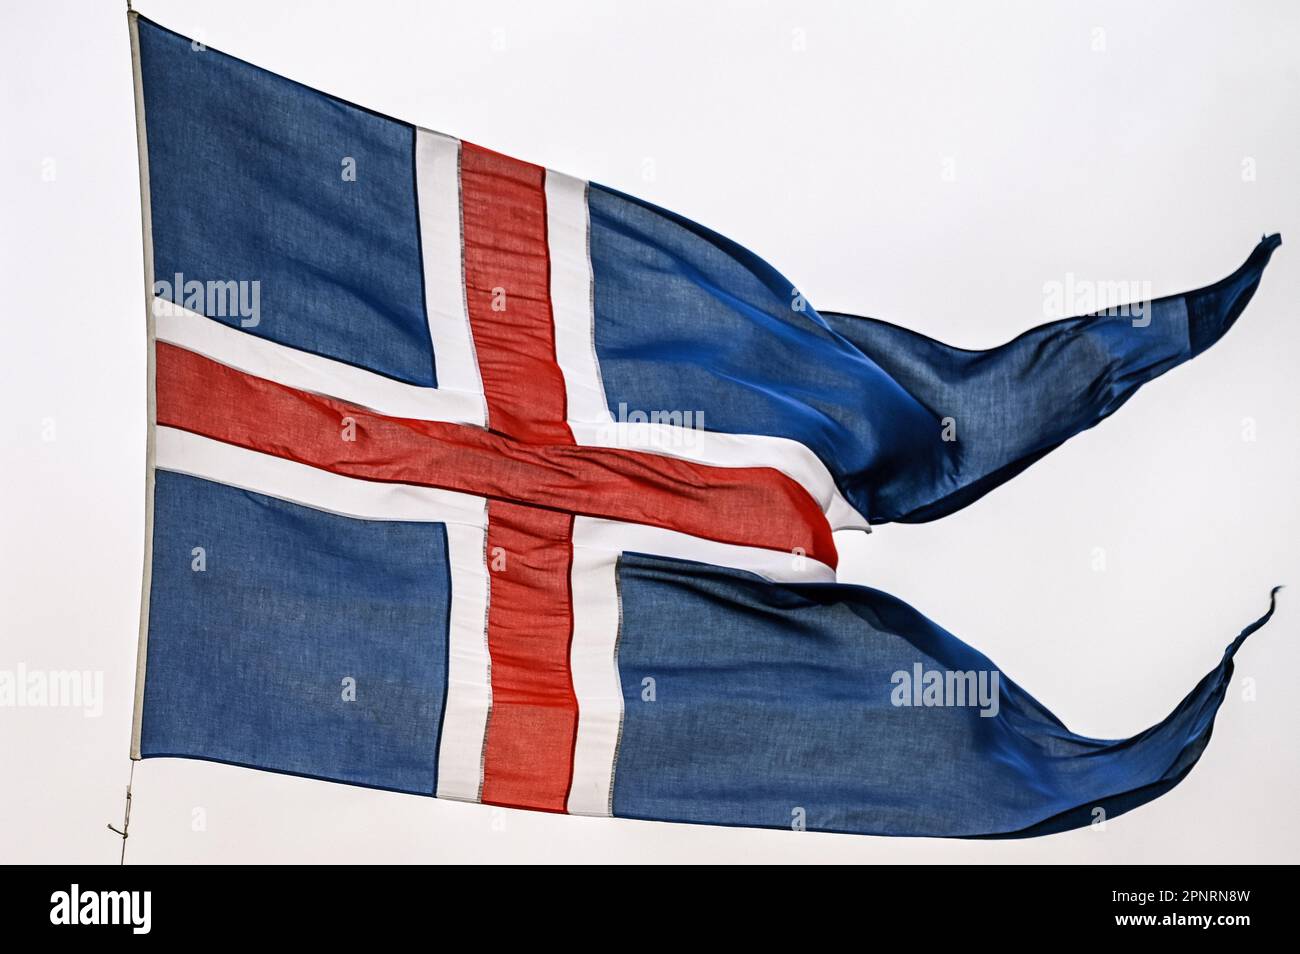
[[747, 506]]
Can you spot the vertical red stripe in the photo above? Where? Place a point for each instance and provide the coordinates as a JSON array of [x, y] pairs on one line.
[[531, 731], [528, 756], [508, 289]]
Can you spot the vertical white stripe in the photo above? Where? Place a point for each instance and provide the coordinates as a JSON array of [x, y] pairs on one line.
[[437, 173], [469, 669], [597, 621], [593, 661], [568, 222], [469, 680], [594, 585], [575, 347]]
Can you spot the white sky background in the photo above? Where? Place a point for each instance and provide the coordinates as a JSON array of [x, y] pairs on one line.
[[1122, 164]]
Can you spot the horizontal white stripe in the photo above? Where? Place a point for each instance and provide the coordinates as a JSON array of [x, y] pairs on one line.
[[776, 565], [186, 453], [262, 358], [437, 172]]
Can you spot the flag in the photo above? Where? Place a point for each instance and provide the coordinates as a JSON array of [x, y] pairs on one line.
[[471, 479]]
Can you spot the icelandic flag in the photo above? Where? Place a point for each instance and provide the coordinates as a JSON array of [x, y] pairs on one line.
[[471, 479]]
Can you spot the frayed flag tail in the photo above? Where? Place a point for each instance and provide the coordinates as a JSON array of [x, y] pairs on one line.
[[1212, 310], [1185, 733]]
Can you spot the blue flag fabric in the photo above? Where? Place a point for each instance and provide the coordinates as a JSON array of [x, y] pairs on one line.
[[405, 532], [785, 710]]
